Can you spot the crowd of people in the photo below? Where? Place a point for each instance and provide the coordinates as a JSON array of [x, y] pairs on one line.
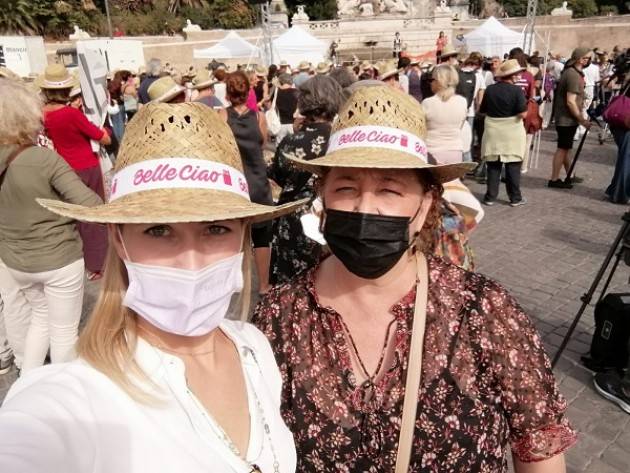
[[336, 196]]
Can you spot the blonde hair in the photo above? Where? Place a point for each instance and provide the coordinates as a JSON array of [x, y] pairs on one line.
[[108, 341], [21, 117], [448, 78]]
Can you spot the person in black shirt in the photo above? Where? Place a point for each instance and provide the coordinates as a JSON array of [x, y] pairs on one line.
[[503, 142], [286, 104], [154, 69]]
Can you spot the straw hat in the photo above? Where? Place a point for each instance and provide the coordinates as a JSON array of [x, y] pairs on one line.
[[381, 127], [509, 67], [203, 80], [56, 76], [177, 163], [387, 69], [323, 68], [261, 71], [304, 66], [448, 51], [366, 65], [283, 63], [164, 89]]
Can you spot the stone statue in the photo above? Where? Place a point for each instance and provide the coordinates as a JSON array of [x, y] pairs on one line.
[[79, 33], [300, 14], [366, 9], [561, 11], [191, 27], [348, 7], [393, 6], [443, 7]]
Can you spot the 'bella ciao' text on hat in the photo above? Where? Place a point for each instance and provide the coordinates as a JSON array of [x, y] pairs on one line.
[[381, 128], [177, 163]]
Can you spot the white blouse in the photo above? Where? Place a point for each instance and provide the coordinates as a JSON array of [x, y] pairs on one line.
[[71, 418]]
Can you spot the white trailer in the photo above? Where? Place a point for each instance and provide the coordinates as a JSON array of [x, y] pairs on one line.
[[24, 55]]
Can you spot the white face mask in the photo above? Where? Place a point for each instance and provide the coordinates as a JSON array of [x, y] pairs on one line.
[[181, 301]]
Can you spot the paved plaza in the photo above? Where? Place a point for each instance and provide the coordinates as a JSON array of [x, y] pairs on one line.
[[547, 253]]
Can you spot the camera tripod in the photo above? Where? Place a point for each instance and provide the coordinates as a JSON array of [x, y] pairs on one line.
[[622, 244]]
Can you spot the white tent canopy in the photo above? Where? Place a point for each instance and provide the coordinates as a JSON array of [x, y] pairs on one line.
[[230, 47], [493, 39], [296, 45]]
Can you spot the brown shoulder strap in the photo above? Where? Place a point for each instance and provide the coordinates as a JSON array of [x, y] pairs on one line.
[[11, 158]]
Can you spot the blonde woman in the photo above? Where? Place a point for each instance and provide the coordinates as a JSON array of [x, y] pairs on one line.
[[445, 114], [41, 258], [164, 381]]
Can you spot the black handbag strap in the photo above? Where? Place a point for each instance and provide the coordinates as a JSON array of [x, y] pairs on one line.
[[10, 159]]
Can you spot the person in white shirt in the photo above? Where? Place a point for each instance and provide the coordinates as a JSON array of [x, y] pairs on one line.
[[445, 115], [164, 381], [591, 79]]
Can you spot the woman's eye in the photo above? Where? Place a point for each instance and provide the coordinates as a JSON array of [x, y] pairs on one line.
[[217, 230], [391, 191], [345, 189], [158, 231]]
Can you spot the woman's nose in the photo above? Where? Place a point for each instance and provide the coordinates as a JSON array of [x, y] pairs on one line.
[[191, 259], [366, 203]]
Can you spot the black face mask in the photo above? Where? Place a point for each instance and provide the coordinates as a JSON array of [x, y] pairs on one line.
[[368, 245]]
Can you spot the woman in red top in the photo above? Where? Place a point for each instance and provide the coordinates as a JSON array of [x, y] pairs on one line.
[[440, 43], [71, 132]]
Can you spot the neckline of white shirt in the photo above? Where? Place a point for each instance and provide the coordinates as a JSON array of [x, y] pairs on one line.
[[154, 362]]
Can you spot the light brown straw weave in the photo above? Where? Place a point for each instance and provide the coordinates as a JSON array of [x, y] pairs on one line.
[[186, 130], [387, 107]]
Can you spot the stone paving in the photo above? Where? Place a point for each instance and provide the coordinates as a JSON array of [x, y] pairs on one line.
[[547, 253]]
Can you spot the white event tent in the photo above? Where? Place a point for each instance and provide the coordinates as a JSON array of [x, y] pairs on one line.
[[230, 47], [492, 38], [296, 45]]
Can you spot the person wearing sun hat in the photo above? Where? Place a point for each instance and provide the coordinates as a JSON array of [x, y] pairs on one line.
[[203, 83], [449, 55], [342, 332], [504, 138], [166, 90], [389, 73], [303, 75], [164, 379], [71, 134]]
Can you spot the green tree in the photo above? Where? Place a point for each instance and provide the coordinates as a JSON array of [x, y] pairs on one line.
[[16, 16]]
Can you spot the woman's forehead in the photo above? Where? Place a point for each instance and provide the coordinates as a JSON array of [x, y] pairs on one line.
[[402, 175]]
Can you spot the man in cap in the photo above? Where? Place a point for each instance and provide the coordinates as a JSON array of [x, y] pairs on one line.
[[567, 109]]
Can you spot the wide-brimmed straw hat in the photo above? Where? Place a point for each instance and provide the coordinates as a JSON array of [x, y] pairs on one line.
[[304, 66], [177, 163], [509, 67], [261, 71], [164, 89], [323, 68], [203, 80], [56, 76], [387, 69], [383, 128], [448, 51]]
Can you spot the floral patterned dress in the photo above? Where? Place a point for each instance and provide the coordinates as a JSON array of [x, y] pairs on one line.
[[291, 251], [486, 381]]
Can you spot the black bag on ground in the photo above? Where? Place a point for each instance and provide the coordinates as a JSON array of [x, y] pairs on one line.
[[466, 85], [609, 348]]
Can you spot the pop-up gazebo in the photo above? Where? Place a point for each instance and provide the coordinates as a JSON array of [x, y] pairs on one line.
[[493, 39]]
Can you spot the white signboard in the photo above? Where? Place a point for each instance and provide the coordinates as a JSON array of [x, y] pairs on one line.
[[93, 78]]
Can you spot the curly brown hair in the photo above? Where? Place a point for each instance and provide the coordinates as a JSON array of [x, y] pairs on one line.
[[237, 87]]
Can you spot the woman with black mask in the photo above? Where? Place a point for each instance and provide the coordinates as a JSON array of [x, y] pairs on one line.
[[382, 316]]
